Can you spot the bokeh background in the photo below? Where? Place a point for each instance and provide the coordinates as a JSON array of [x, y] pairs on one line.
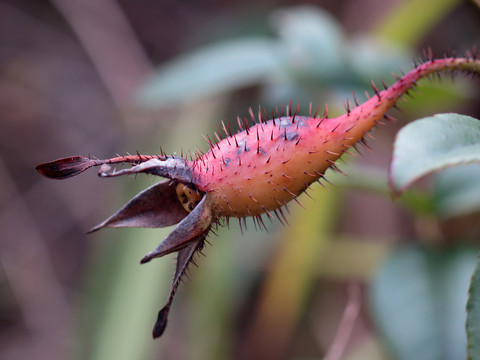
[[102, 77]]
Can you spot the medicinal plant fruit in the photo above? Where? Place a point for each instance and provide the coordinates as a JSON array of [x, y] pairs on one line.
[[250, 173]]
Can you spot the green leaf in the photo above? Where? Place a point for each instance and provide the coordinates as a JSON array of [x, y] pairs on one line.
[[314, 41], [431, 144], [473, 316], [212, 70], [370, 59], [457, 191], [418, 301], [317, 49]]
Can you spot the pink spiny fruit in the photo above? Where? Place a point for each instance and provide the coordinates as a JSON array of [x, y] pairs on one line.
[[255, 171], [271, 163]]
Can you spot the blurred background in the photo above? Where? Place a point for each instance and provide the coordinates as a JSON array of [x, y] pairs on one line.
[[354, 276]]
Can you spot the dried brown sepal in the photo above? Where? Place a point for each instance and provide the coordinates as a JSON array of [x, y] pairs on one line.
[[161, 323], [65, 168], [171, 168], [195, 225], [184, 258], [155, 207]]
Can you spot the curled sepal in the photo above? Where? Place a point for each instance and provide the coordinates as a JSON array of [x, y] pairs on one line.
[[190, 229], [172, 168], [187, 238], [71, 166], [65, 168], [155, 207], [184, 258]]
